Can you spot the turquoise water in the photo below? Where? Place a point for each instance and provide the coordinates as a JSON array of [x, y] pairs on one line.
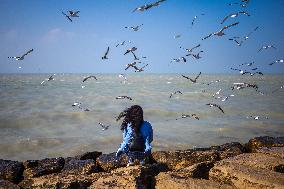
[[38, 121]]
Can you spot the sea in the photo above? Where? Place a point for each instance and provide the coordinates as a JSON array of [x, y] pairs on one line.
[[37, 120]]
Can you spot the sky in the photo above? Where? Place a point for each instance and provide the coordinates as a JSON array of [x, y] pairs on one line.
[[61, 46]]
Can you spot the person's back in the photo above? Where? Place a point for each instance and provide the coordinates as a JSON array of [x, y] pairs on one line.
[[137, 135]]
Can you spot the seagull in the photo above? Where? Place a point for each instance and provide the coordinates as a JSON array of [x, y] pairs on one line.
[[67, 16], [78, 104], [247, 64], [221, 31], [233, 15], [177, 36], [179, 59], [256, 117], [196, 56], [276, 61], [243, 72], [122, 43], [136, 28], [192, 80], [190, 50], [91, 76], [104, 127], [222, 97], [187, 115], [23, 56], [73, 13], [193, 20], [239, 43], [141, 69], [105, 55], [239, 86], [216, 81], [175, 93], [215, 105], [130, 50], [123, 97], [131, 65], [148, 6], [266, 47], [246, 37], [122, 76], [48, 79]]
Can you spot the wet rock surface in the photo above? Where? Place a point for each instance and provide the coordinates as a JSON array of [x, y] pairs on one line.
[[231, 165]]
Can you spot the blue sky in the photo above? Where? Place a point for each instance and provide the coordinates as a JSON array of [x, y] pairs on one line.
[[64, 47]]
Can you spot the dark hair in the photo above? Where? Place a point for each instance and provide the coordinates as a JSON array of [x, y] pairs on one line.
[[133, 115]]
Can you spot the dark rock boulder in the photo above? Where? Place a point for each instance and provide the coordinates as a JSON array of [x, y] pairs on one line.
[[108, 162], [264, 141], [89, 155], [11, 170], [199, 170], [4, 184], [36, 168], [229, 149], [76, 166]]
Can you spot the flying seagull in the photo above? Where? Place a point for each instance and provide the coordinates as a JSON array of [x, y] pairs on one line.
[[136, 28], [141, 69], [91, 76], [131, 65], [247, 36], [78, 104], [187, 115], [239, 86], [192, 80], [266, 47], [215, 105], [73, 13], [233, 15], [247, 64], [221, 31], [148, 6], [122, 43], [23, 56], [130, 50], [196, 56], [123, 97], [68, 17], [175, 93], [276, 61], [105, 55], [104, 127], [48, 79], [190, 50], [177, 36], [179, 59]]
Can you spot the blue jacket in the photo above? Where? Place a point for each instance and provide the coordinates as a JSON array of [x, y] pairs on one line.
[[145, 130]]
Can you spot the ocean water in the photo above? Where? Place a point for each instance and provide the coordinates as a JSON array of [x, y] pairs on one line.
[[38, 121]]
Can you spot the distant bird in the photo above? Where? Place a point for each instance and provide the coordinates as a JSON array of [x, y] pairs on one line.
[[190, 50], [131, 65], [130, 50], [256, 117], [243, 72], [196, 56], [216, 81], [233, 15], [78, 104], [48, 79], [247, 64], [240, 40], [221, 31], [266, 47], [91, 76], [104, 127], [136, 28], [177, 36], [73, 13], [123, 76], [122, 43], [148, 6], [175, 93], [235, 39], [215, 105], [68, 17], [179, 59], [193, 20], [23, 56], [243, 3], [192, 80], [123, 97], [247, 36], [239, 86], [276, 61], [278, 89], [141, 69], [191, 115], [222, 97], [105, 55]]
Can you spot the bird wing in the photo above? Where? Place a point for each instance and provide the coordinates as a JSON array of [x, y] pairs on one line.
[[185, 76], [28, 52], [197, 76], [220, 108], [226, 27], [67, 16], [227, 17], [194, 48], [207, 36], [107, 51], [135, 58]]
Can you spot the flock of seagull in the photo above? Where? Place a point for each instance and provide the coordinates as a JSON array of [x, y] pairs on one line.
[[191, 52]]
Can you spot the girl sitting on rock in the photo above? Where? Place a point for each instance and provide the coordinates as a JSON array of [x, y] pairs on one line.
[[137, 135]]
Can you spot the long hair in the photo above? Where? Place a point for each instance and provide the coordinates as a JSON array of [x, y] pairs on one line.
[[133, 115]]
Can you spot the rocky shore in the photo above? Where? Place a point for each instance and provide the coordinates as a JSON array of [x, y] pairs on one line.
[[256, 164]]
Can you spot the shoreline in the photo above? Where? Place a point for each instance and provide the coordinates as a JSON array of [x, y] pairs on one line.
[[259, 162]]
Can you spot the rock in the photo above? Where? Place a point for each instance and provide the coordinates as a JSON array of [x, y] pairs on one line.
[[248, 171], [4, 184], [273, 151], [107, 162], [169, 180], [36, 168], [89, 155], [11, 170], [76, 166], [199, 170], [264, 141], [180, 159], [229, 149]]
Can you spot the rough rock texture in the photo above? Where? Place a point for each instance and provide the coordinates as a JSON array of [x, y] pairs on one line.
[[76, 166], [89, 155], [264, 141], [172, 180], [108, 162], [11, 170], [36, 168], [273, 151], [254, 170], [180, 159], [229, 149], [4, 184]]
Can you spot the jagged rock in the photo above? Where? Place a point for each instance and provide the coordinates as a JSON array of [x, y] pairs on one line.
[[273, 151], [11, 170], [170, 180], [179, 159], [108, 162], [229, 149], [264, 141], [60, 180], [4, 184], [76, 166], [248, 171], [89, 155], [36, 168]]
